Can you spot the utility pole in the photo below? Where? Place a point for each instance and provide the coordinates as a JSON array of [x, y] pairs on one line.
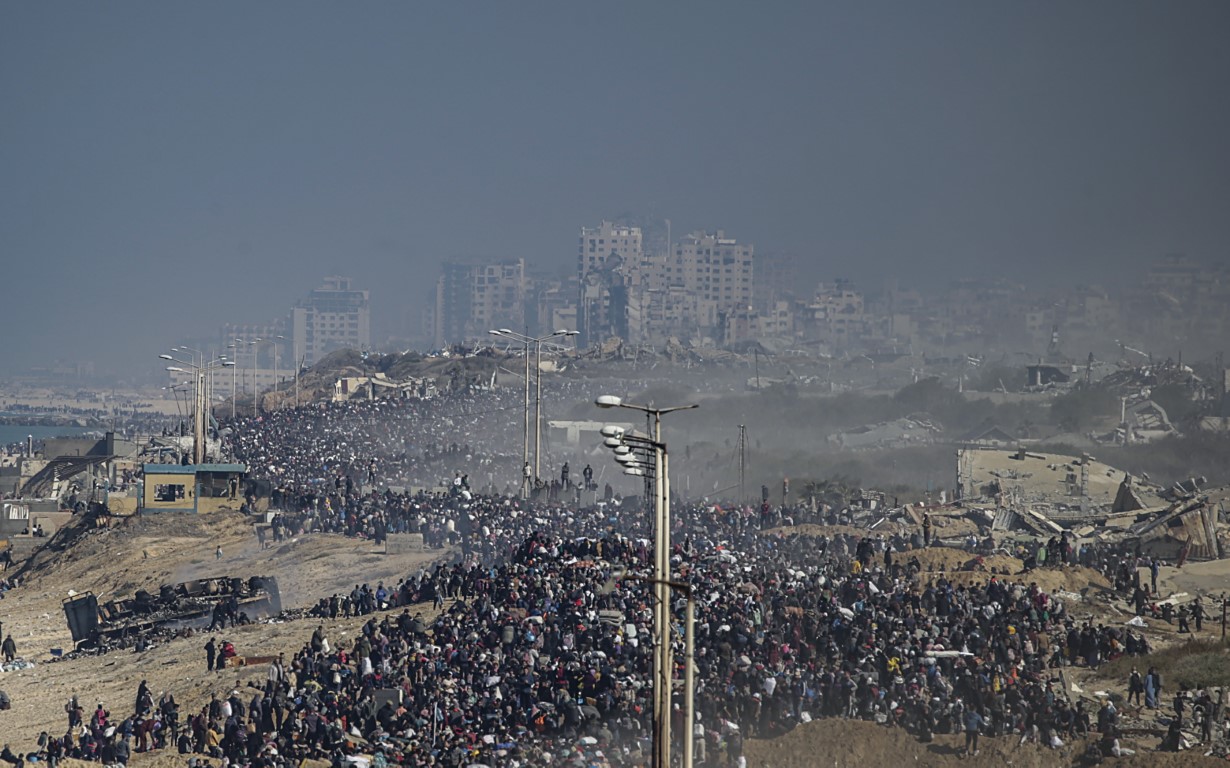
[[298, 366], [198, 420], [527, 485], [538, 408], [199, 397], [663, 665], [527, 470], [742, 463]]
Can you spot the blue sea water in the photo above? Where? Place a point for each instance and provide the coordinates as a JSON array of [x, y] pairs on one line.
[[16, 433]]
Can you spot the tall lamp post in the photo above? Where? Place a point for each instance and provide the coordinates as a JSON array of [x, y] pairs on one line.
[[625, 446], [256, 352], [256, 375], [689, 652], [537, 342], [175, 389], [182, 348], [274, 341], [199, 402], [234, 377]]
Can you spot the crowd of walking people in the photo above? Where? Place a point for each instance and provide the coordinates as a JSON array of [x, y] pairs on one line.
[[527, 645]]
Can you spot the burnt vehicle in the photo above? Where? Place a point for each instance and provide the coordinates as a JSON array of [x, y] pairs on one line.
[[173, 608]]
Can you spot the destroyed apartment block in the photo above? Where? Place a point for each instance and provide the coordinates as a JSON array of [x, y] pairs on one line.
[[1142, 421], [1043, 496], [376, 385], [1054, 481], [1189, 524]]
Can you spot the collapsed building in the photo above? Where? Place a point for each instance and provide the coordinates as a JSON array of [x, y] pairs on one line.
[[1035, 495], [1021, 496]]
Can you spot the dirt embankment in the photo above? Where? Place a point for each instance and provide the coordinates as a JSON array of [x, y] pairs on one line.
[[960, 567], [857, 744], [144, 553]]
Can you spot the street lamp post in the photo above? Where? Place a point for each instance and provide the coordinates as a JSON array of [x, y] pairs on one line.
[[689, 652], [256, 363], [175, 390], [256, 375], [276, 399], [663, 665], [234, 345], [537, 342], [199, 395], [205, 395]]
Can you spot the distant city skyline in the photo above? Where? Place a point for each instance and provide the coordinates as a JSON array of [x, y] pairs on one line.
[[169, 167], [1177, 304]]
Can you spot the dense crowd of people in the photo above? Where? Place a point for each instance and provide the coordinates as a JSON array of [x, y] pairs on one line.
[[525, 647]]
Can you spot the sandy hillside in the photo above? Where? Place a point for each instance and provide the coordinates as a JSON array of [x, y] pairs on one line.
[[857, 744], [145, 553]]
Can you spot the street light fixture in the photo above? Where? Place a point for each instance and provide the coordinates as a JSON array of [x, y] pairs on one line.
[[662, 664], [537, 342], [689, 639], [234, 376], [256, 366], [200, 400]]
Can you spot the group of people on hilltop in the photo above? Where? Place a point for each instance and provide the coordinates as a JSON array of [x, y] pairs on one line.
[[524, 649]]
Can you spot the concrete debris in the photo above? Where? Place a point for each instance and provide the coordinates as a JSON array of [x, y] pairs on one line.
[[1032, 499], [16, 665]]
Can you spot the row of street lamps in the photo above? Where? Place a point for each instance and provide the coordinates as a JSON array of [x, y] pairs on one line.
[[236, 344], [647, 456], [528, 474], [641, 456], [200, 392]]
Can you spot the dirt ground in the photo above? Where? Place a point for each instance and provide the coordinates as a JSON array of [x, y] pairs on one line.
[[946, 527], [1209, 579], [151, 551], [856, 744], [951, 563]]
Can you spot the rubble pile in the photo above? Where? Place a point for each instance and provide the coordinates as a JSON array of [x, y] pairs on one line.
[[16, 665], [1013, 501], [1141, 379]]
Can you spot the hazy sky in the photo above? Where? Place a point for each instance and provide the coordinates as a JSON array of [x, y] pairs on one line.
[[165, 167]]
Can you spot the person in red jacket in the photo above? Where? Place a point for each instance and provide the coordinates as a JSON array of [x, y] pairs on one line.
[[228, 653]]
